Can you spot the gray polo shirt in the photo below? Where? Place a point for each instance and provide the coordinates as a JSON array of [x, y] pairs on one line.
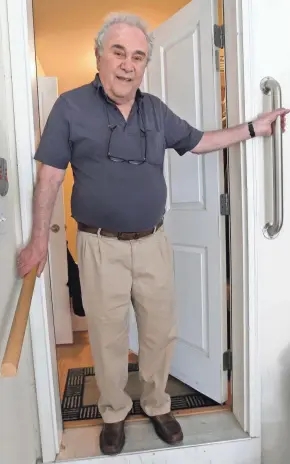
[[117, 164]]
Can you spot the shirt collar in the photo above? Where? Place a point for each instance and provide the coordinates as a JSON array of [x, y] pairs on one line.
[[99, 86]]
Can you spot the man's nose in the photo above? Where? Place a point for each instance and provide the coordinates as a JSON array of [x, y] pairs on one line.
[[127, 65]]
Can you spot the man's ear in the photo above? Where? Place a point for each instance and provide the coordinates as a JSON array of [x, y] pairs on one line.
[[97, 56]]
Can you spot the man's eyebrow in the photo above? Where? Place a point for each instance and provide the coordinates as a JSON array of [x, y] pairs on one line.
[[140, 52], [120, 47]]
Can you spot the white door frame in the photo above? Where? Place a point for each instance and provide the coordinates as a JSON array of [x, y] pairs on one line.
[[246, 372]]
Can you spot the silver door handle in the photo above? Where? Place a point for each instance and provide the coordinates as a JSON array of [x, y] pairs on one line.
[[271, 87]]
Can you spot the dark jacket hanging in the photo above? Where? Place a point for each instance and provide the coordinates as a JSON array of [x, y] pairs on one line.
[[74, 285]]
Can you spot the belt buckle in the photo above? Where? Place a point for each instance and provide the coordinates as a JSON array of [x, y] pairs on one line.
[[136, 235], [128, 235], [123, 235]]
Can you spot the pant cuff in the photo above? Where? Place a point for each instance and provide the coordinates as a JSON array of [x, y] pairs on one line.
[[111, 417], [153, 411]]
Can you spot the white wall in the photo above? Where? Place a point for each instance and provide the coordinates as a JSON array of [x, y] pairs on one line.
[[270, 56], [19, 434]]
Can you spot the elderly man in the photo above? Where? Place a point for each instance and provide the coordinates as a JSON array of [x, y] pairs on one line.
[[115, 137]]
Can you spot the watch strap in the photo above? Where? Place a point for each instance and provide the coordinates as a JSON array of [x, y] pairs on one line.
[[251, 129]]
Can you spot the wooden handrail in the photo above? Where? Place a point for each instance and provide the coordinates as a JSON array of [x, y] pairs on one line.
[[15, 341]]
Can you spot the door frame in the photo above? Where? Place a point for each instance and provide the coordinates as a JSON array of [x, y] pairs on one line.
[[244, 225]]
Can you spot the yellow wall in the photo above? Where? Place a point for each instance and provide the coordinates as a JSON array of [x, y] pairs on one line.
[[65, 31], [40, 71]]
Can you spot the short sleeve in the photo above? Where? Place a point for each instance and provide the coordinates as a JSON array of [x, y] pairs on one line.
[[179, 135], [54, 148]]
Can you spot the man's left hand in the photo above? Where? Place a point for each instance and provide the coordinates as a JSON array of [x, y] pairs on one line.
[[264, 124]]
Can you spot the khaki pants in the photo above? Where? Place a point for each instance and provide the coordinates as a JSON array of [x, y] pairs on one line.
[[113, 273]]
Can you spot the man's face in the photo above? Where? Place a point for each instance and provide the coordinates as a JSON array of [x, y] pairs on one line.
[[123, 61]]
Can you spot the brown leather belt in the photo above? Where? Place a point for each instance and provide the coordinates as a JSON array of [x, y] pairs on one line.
[[119, 235]]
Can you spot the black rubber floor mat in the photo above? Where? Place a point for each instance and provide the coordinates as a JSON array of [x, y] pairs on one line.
[[73, 408]]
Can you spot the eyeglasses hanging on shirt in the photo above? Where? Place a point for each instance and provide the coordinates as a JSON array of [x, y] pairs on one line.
[[137, 144], [127, 144]]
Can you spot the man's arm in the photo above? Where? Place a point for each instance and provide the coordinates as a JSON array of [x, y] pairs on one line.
[[217, 140], [34, 254], [49, 179]]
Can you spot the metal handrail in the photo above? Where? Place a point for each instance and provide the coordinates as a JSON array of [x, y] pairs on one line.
[[271, 87], [14, 345]]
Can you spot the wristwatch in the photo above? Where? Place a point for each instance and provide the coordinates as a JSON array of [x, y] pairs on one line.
[[251, 129]]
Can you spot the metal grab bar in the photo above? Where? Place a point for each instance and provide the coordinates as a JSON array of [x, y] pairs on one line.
[[271, 87], [13, 350]]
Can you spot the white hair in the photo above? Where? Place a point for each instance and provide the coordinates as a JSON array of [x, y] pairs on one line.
[[123, 18]]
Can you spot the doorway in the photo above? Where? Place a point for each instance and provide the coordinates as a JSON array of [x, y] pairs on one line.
[[215, 438], [81, 338]]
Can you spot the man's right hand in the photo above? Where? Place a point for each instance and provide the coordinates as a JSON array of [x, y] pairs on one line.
[[33, 255]]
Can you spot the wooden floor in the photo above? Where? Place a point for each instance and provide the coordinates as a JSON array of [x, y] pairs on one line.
[[79, 355]]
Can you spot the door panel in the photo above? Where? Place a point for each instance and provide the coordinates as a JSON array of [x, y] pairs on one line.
[[183, 74]]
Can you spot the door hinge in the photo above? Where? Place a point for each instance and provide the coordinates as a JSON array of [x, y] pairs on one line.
[[228, 360], [219, 35], [225, 204], [217, 60]]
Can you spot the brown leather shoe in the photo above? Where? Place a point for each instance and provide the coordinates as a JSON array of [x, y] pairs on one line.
[[112, 438], [167, 428]]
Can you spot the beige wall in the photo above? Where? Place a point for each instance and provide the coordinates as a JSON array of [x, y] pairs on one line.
[[65, 32]]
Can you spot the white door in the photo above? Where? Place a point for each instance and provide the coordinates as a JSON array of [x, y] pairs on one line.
[[48, 92], [183, 74]]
